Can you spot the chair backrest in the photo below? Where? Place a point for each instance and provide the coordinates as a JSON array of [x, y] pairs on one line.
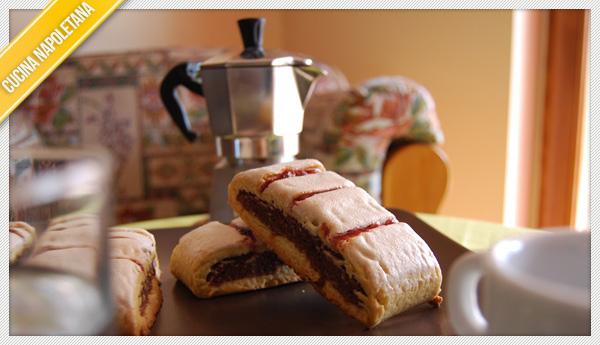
[[415, 177], [350, 131]]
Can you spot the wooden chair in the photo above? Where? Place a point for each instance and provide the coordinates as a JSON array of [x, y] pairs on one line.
[[415, 177]]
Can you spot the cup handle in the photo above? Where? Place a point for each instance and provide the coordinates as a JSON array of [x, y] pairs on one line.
[[463, 307]]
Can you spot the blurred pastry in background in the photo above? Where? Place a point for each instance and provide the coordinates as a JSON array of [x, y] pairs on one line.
[[135, 279], [69, 244], [21, 237]]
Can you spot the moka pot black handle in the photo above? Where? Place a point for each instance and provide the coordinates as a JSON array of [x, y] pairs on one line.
[[184, 74]]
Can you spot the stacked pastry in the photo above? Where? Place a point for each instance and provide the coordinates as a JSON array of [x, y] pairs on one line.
[[217, 259], [135, 279], [21, 237], [70, 244], [337, 237]]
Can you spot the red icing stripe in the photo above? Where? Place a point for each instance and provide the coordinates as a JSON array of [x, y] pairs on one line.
[[356, 231], [325, 230], [112, 236], [307, 195], [287, 173], [130, 259]]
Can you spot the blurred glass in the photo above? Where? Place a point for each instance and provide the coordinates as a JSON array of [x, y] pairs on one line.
[[60, 285]]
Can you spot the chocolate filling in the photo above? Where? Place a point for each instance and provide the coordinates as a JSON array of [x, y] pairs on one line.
[[243, 266], [146, 288], [324, 260], [244, 232]]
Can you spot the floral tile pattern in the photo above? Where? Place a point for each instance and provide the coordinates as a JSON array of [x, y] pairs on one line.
[[113, 101]]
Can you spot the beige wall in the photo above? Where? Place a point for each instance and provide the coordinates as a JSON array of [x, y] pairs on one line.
[[133, 30], [462, 57]]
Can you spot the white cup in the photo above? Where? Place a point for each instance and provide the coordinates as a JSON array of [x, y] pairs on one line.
[[534, 284]]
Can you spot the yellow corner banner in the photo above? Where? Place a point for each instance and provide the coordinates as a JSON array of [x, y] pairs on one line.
[[44, 44]]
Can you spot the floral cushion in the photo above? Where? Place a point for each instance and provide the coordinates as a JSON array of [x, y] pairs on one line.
[[351, 131]]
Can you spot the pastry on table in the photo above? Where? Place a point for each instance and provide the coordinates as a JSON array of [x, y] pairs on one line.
[[21, 237], [69, 244], [338, 238], [217, 259], [135, 279]]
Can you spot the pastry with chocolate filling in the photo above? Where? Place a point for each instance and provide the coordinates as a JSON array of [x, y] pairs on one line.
[[338, 238], [21, 237], [135, 279], [218, 259], [70, 244]]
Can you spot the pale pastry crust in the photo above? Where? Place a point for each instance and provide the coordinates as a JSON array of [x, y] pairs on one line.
[[134, 263], [70, 244], [142, 252], [331, 208], [253, 179], [200, 249], [127, 281], [282, 192], [76, 237], [338, 211], [21, 238], [394, 266], [67, 260]]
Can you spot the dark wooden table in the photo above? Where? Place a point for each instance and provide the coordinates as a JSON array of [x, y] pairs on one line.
[[294, 309]]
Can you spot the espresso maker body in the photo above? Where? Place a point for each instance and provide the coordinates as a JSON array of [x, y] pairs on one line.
[[255, 101]]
